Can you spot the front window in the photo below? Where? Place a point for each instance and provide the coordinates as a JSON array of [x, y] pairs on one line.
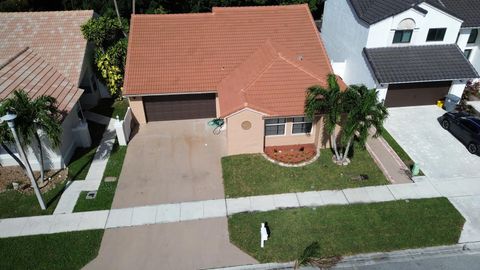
[[402, 36], [467, 53], [436, 34], [473, 36], [275, 126], [301, 125]]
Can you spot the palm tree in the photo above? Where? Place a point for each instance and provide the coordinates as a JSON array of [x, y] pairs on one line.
[[365, 112], [326, 101], [6, 137], [34, 116]]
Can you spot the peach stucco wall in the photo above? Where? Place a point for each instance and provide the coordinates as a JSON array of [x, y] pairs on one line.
[[241, 141], [136, 105]]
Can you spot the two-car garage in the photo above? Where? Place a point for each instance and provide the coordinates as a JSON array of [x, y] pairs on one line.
[[179, 107]]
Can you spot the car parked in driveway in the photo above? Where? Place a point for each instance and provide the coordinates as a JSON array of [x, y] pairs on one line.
[[464, 127]]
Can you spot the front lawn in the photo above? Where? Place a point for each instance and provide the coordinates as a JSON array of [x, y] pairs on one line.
[[16, 204], [71, 250], [106, 191], [348, 229], [110, 107], [249, 175]]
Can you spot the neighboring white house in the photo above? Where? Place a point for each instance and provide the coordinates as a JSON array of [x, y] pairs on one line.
[[44, 53], [407, 49]]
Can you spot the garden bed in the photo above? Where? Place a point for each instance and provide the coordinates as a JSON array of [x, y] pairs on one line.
[[291, 154]]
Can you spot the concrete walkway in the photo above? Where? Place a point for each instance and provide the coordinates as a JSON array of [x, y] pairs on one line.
[[185, 211], [388, 161], [92, 181]]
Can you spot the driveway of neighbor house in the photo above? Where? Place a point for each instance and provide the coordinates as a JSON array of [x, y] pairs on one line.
[[440, 155], [197, 244], [171, 161]]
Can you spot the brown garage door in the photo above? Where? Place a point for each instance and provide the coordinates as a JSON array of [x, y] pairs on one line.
[[177, 107], [413, 94]]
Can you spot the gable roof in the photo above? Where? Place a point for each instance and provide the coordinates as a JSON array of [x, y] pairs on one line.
[[419, 64], [373, 11], [54, 35], [272, 80], [43, 53], [29, 71], [232, 51]]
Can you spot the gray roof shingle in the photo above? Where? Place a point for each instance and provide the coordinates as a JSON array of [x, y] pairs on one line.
[[373, 11], [419, 64]]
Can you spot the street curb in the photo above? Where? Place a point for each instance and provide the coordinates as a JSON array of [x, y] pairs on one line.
[[377, 258]]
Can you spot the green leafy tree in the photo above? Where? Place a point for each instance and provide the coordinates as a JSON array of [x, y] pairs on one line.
[[33, 116], [107, 34], [356, 110], [327, 101], [364, 113]]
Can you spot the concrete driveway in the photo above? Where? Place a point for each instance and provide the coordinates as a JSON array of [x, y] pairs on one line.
[[171, 161], [201, 244], [440, 155]]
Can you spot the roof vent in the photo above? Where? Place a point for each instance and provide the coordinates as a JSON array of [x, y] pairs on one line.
[[300, 57]]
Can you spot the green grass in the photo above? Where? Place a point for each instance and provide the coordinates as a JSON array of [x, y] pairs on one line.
[[111, 108], [82, 158], [16, 204], [249, 175], [61, 251], [106, 191], [349, 229], [399, 150]]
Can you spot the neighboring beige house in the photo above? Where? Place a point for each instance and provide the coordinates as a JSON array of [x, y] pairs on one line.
[[44, 53], [250, 66]]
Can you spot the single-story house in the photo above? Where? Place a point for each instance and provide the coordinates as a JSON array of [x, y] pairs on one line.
[[250, 66], [45, 53]]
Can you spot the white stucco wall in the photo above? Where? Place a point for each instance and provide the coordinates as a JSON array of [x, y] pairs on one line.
[[381, 33], [345, 36], [53, 158], [475, 47]]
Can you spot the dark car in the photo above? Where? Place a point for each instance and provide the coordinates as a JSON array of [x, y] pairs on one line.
[[465, 127]]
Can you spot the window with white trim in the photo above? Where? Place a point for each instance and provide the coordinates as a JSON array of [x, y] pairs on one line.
[[275, 126], [301, 125]]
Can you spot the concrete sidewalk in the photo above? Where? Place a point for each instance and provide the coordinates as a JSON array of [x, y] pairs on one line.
[[92, 181], [185, 211]]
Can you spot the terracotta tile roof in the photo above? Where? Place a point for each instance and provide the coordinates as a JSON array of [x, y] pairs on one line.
[[54, 35], [27, 70], [249, 55], [43, 53]]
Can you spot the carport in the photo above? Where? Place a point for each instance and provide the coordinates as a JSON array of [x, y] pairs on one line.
[[419, 75]]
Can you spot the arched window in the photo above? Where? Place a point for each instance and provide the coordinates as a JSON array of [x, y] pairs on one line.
[[404, 31]]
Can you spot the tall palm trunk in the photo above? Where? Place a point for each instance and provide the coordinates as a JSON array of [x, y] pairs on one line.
[[333, 140], [40, 162], [345, 154]]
